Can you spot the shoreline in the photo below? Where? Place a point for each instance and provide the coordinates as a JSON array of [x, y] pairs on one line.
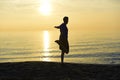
[[35, 70]]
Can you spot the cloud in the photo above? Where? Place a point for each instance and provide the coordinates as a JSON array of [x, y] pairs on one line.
[[118, 1], [16, 5], [98, 5], [68, 5]]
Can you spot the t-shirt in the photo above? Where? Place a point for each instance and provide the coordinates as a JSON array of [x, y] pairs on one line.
[[64, 31]]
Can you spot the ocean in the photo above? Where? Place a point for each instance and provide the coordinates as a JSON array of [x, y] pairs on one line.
[[85, 47]]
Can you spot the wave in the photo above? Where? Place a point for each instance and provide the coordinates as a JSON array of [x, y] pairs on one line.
[[112, 54], [111, 44], [103, 55]]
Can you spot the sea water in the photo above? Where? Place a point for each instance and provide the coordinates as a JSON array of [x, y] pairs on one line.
[[85, 47]]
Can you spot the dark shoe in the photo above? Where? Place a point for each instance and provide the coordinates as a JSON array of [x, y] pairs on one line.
[[67, 53], [57, 41]]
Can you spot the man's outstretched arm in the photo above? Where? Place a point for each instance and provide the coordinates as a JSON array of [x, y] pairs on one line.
[[58, 27]]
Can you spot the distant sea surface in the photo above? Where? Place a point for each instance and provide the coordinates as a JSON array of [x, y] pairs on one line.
[[85, 47]]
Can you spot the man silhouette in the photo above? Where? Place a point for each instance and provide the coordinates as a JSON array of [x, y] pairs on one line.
[[63, 39]]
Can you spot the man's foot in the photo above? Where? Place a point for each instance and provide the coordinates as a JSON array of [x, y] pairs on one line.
[[67, 53], [57, 41]]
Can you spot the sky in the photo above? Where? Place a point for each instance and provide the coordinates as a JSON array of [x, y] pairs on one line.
[[34, 15]]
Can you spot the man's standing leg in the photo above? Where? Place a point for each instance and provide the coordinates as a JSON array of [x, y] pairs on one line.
[[62, 57]]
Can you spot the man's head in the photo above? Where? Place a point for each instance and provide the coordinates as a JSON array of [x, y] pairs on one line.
[[65, 19]]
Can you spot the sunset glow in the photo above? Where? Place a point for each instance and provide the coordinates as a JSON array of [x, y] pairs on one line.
[[45, 8], [46, 43], [85, 15]]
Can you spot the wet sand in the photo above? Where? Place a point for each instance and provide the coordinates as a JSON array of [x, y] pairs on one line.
[[56, 71]]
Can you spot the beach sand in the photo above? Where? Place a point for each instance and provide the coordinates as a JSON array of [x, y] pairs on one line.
[[56, 71]]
